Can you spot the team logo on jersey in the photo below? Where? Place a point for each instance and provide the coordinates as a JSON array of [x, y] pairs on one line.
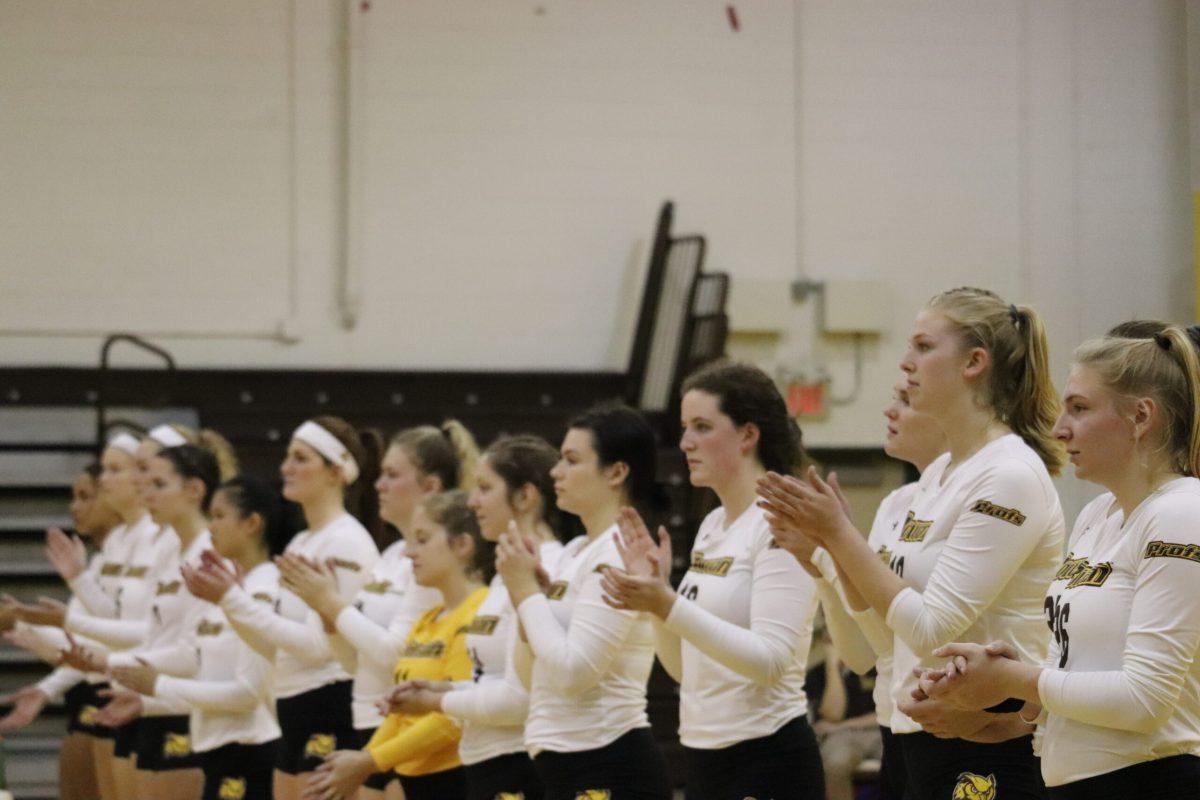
[[136, 572], [377, 587], [711, 566], [207, 628], [320, 745], [424, 649], [263, 597], [110, 570], [594, 794], [176, 745], [481, 626], [87, 715], [974, 787], [914, 529], [1010, 515], [556, 590], [168, 587], [1078, 572], [342, 563], [232, 789], [1160, 549]]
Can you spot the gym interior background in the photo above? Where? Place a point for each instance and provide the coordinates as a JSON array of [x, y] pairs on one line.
[[472, 187]]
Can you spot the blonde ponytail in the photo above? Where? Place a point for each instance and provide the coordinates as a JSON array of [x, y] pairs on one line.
[[222, 451], [465, 449], [1164, 367], [1018, 387], [449, 453], [1035, 405]]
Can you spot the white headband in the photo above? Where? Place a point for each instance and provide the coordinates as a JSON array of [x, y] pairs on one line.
[[167, 436], [125, 442], [329, 446]]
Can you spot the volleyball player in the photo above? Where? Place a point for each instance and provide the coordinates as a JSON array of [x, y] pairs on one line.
[[85, 756], [327, 465], [513, 489], [374, 625], [181, 483], [449, 555], [229, 701], [1119, 692], [587, 727], [983, 535], [860, 635], [737, 633]]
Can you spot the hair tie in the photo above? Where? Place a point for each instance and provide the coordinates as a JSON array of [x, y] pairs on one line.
[[1163, 341], [1014, 314]]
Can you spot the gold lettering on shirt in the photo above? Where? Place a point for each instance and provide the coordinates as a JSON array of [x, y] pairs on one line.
[[711, 566], [1009, 515], [1078, 572], [432, 649], [342, 563], [263, 597], [885, 555], [165, 587], [206, 628], [914, 529], [481, 626], [136, 572], [320, 745], [111, 570], [377, 587], [1160, 549], [556, 590]]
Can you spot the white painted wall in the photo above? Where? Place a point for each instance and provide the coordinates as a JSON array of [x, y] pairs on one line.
[[507, 162], [164, 167]]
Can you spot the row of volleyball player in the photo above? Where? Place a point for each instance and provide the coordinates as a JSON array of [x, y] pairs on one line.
[[502, 645]]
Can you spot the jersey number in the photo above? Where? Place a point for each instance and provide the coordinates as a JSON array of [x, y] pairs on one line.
[[1057, 616], [897, 566], [689, 592]]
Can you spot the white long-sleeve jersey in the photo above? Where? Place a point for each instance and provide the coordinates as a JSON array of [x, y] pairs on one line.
[[859, 635], [740, 630], [375, 627], [980, 546], [99, 590], [174, 615], [147, 552], [492, 709], [591, 662], [295, 637], [1122, 681], [229, 699]]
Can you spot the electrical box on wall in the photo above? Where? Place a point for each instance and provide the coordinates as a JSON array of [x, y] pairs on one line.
[[854, 307]]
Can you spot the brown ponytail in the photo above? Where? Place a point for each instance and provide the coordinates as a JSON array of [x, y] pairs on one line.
[[1018, 387]]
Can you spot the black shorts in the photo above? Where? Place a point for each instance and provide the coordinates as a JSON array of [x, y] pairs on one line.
[[630, 768], [125, 739], [512, 775], [943, 768], [165, 744], [786, 765], [892, 775], [314, 724], [81, 703], [1173, 778], [239, 771], [378, 780], [448, 784]]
